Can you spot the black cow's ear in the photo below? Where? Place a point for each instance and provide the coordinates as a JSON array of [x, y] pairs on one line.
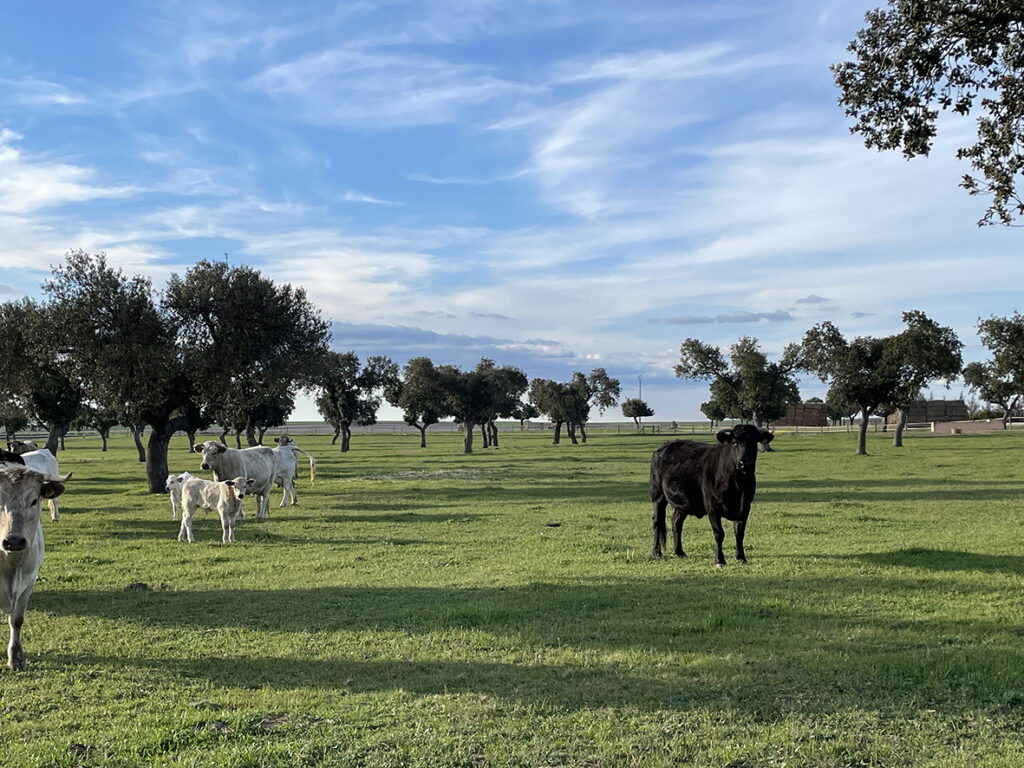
[[766, 436], [724, 436]]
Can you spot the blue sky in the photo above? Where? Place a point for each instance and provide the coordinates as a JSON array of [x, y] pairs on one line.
[[556, 185]]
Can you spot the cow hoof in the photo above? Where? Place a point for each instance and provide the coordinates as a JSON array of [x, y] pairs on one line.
[[741, 560], [655, 555], [680, 554], [719, 565], [17, 663]]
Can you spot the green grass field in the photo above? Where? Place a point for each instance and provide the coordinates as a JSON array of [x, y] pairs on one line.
[[420, 608]]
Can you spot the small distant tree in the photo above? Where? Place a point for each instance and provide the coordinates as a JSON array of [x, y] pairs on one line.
[[634, 408], [598, 390], [713, 411], [100, 419], [420, 394], [351, 394], [467, 398], [524, 412], [553, 399], [837, 409], [505, 386]]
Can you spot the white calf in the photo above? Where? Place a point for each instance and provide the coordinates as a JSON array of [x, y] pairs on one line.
[[224, 497], [45, 463], [255, 463], [21, 545], [174, 489]]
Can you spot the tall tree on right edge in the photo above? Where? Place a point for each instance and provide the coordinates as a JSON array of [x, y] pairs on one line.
[[917, 58]]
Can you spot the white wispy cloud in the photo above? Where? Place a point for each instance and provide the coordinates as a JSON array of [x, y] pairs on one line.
[[356, 197]]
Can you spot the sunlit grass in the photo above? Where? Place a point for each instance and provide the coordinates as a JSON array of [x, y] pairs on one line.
[[422, 607]]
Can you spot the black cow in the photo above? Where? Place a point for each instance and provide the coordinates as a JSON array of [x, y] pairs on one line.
[[8, 457], [699, 479]]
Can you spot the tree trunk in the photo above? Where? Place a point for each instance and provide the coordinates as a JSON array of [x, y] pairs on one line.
[[191, 441], [469, 437], [137, 431], [583, 432], [897, 439], [346, 435], [250, 435], [238, 440], [262, 432], [63, 431], [558, 433], [484, 436], [494, 433], [337, 431], [104, 435], [423, 434], [571, 427], [53, 439], [156, 458], [862, 436]]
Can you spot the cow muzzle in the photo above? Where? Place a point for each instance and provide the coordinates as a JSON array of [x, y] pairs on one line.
[[204, 465], [14, 543]]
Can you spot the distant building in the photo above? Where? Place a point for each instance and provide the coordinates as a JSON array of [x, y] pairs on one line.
[[804, 415], [925, 411]]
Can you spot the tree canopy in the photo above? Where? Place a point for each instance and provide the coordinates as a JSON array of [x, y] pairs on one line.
[[747, 386], [881, 373], [634, 408], [915, 59], [351, 394]]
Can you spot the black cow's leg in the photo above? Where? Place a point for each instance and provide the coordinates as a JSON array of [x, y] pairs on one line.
[[677, 531], [659, 526], [719, 532], [740, 527]]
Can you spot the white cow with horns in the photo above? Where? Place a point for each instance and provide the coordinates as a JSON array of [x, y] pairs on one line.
[[21, 544], [256, 464]]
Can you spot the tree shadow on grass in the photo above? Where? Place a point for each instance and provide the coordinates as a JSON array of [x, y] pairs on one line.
[[942, 560]]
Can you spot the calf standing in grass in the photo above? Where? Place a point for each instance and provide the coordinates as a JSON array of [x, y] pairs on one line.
[[255, 463], [21, 545], [174, 489], [714, 480], [224, 497]]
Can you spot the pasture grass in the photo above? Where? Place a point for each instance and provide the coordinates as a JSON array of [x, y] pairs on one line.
[[426, 608]]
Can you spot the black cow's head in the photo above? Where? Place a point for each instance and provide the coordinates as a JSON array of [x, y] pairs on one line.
[[744, 441]]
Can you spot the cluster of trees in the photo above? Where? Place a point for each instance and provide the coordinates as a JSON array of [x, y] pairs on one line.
[[221, 345], [225, 346], [866, 375]]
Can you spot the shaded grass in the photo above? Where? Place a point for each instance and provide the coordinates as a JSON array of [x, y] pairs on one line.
[[418, 608]]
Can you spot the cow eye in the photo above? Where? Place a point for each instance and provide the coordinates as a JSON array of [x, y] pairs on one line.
[[34, 502]]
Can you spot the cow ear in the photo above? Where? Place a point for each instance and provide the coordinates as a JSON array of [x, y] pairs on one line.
[[766, 436], [198, 449], [229, 483], [251, 483], [724, 436], [51, 489], [220, 447]]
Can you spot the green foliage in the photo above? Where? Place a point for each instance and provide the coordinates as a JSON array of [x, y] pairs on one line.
[[249, 342], [349, 394], [914, 59], [419, 609], [634, 408], [748, 386], [420, 395]]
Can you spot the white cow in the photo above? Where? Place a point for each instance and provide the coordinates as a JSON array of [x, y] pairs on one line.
[[225, 498], [45, 463], [174, 489], [21, 545], [256, 463], [286, 464]]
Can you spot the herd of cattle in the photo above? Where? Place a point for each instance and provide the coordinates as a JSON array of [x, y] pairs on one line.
[[716, 481]]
